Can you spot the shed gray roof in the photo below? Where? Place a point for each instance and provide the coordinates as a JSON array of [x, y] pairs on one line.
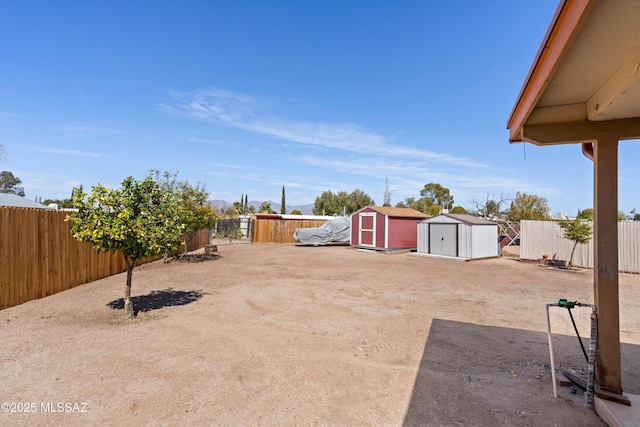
[[9, 199], [469, 219]]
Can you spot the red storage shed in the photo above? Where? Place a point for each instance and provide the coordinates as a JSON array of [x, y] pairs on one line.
[[385, 228]]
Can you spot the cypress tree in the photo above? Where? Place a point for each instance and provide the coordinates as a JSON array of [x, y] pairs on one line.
[[283, 209]]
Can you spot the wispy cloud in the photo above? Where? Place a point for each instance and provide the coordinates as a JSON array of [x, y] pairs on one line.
[[263, 175], [360, 152], [9, 115], [47, 185], [244, 112], [66, 152], [205, 141], [237, 172], [413, 175], [86, 130]]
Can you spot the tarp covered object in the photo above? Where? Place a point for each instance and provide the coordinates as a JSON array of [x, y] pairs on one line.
[[334, 230]]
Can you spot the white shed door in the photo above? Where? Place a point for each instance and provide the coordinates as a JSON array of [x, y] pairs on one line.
[[443, 239], [367, 232]]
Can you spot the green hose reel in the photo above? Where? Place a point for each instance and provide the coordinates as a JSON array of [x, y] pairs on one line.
[[567, 304]]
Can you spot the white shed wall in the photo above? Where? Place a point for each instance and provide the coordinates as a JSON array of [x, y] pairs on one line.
[[423, 238], [474, 241], [465, 241], [485, 241]]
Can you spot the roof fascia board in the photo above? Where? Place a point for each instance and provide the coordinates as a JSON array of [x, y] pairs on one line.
[[557, 114], [569, 18], [580, 131]]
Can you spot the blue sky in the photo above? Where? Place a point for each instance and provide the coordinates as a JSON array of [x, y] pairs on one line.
[[248, 96]]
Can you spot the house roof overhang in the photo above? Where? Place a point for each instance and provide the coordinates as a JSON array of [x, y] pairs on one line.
[[584, 87], [585, 78]]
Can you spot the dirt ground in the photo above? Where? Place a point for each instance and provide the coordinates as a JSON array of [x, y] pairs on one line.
[[279, 334]]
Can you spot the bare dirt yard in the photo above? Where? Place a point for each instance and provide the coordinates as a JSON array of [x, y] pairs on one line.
[[279, 334]]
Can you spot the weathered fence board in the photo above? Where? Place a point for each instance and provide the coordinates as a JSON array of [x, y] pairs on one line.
[[39, 257], [199, 239], [280, 230]]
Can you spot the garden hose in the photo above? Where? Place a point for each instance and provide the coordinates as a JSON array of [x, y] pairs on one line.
[[592, 359]]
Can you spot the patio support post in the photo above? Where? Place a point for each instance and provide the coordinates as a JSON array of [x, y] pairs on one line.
[[608, 367]]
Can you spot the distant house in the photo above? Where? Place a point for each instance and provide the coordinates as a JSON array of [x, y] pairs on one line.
[[13, 200], [385, 228]]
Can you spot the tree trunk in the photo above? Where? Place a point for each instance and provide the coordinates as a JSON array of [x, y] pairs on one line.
[[187, 240], [571, 257], [128, 306]]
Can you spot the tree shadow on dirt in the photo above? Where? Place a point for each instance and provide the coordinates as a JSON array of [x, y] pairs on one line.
[[192, 258], [321, 245], [158, 299]]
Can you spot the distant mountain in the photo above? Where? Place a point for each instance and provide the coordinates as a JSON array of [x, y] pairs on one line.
[[305, 209], [219, 204]]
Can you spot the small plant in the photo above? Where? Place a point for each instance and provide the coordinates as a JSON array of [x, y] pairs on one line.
[[578, 232], [234, 233]]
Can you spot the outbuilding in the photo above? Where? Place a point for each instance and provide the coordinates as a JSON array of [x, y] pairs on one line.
[[16, 201], [459, 236], [385, 228]]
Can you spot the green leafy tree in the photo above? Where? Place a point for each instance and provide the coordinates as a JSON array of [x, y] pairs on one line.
[[238, 209], [578, 232], [329, 203], [283, 208], [436, 194], [586, 214], [139, 219], [11, 184], [197, 214], [434, 210], [357, 200], [265, 207], [406, 203], [431, 195], [528, 206], [295, 212], [422, 204], [458, 210], [491, 208], [242, 207]]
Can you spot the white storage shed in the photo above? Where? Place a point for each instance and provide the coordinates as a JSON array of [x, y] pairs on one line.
[[459, 236]]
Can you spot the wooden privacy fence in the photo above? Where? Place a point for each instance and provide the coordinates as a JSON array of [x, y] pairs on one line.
[[280, 230], [40, 257], [199, 239]]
